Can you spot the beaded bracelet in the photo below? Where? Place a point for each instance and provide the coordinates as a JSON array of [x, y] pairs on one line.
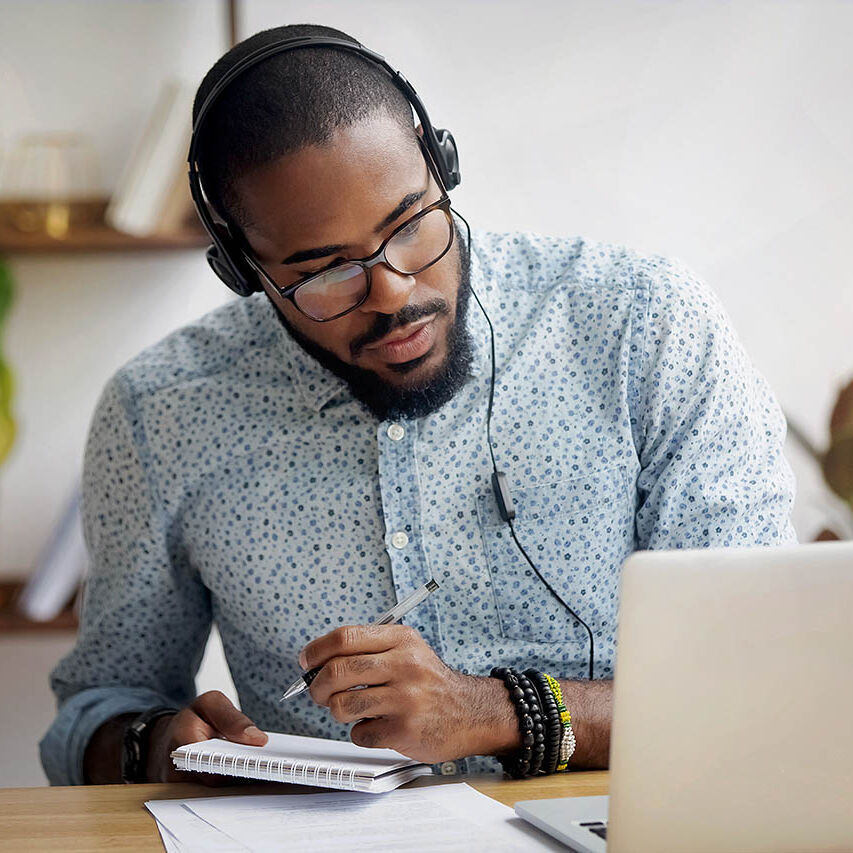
[[567, 743], [551, 718], [527, 761]]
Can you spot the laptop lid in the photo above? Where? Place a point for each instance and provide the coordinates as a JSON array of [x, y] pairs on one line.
[[733, 701]]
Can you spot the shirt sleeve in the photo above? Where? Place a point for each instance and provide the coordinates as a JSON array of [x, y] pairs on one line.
[[708, 429], [146, 613]]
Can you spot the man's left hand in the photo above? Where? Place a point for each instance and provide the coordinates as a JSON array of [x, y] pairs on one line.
[[409, 700]]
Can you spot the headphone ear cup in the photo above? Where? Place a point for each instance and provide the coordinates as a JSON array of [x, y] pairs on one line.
[[240, 278], [448, 156]]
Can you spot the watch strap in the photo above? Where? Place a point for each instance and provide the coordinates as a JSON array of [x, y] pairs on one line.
[[134, 751]]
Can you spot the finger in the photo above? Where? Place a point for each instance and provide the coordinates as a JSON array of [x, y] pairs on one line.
[[373, 733], [187, 728], [352, 671], [354, 640], [183, 728], [217, 710], [352, 705]]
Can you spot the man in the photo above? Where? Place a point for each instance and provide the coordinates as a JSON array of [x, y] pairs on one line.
[[291, 466]]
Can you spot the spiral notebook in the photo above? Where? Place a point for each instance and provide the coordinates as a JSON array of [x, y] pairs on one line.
[[303, 761]]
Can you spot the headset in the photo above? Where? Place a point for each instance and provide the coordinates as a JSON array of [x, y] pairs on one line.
[[227, 262], [224, 256]]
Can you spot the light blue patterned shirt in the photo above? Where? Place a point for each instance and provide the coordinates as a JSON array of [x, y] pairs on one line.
[[229, 476]]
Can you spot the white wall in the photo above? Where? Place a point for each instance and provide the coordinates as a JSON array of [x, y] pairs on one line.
[[717, 132], [94, 67]]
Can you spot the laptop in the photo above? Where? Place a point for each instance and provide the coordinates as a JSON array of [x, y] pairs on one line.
[[733, 707]]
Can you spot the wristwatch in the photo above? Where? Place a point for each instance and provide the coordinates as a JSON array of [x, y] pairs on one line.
[[134, 752]]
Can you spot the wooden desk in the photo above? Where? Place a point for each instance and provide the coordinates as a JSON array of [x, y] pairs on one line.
[[113, 817]]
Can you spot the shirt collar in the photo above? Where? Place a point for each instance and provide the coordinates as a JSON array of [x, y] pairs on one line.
[[317, 384]]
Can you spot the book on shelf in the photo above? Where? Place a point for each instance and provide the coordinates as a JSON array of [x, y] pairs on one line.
[[60, 569], [152, 195], [178, 211]]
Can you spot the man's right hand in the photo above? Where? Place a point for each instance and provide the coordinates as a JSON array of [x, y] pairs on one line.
[[211, 715]]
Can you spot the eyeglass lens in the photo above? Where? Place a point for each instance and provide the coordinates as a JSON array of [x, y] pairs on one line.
[[409, 251]]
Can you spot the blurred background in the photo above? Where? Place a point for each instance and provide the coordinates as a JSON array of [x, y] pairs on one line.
[[720, 133]]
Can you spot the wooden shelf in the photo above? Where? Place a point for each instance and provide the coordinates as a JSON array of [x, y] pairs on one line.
[[12, 622], [98, 239]]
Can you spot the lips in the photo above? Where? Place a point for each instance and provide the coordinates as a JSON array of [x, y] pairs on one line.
[[407, 343]]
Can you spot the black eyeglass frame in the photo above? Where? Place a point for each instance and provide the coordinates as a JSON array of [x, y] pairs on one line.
[[366, 264]]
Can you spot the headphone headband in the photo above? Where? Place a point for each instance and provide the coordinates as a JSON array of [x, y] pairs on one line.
[[265, 52], [223, 256]]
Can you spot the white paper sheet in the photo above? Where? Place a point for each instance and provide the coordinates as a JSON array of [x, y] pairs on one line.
[[184, 831], [440, 817], [169, 840]]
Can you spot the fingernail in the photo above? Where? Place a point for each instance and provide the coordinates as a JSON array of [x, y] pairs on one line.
[[252, 731], [303, 661]]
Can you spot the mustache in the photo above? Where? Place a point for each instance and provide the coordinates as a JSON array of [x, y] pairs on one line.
[[386, 323]]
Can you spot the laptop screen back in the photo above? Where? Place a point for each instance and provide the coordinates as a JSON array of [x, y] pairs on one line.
[[733, 705]]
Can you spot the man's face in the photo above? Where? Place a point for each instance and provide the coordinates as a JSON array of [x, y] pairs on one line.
[[322, 205]]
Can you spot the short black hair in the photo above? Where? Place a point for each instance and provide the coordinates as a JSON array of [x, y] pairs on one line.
[[285, 103]]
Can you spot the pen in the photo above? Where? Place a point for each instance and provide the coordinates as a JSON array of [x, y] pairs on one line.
[[398, 611]]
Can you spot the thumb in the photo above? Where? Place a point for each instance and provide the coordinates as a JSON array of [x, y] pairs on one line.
[[231, 723]]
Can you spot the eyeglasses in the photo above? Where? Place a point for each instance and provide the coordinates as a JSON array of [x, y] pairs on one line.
[[412, 247]]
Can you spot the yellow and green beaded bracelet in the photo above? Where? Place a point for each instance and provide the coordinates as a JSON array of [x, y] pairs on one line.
[[568, 740]]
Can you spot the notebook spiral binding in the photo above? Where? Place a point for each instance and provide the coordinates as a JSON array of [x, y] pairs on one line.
[[271, 769]]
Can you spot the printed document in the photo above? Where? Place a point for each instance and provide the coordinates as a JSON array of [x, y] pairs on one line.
[[448, 817]]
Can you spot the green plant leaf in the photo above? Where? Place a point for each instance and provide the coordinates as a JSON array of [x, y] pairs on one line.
[[7, 422], [7, 291], [7, 436]]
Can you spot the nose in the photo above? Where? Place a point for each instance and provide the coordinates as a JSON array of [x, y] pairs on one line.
[[389, 291]]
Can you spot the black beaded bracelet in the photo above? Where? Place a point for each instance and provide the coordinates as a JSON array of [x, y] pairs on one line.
[[527, 761], [553, 725], [552, 721]]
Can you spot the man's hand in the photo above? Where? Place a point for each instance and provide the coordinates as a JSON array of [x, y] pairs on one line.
[[211, 715], [411, 700]]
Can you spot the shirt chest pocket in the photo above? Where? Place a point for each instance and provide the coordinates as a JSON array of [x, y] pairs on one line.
[[577, 533]]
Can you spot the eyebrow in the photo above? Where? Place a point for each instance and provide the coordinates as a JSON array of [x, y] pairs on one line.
[[324, 251]]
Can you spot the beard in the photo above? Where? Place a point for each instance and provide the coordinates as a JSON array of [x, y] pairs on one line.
[[390, 402]]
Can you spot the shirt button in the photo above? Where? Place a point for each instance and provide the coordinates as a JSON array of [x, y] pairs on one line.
[[396, 432], [399, 539], [448, 768]]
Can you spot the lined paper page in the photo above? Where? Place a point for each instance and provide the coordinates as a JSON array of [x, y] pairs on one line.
[[451, 817]]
